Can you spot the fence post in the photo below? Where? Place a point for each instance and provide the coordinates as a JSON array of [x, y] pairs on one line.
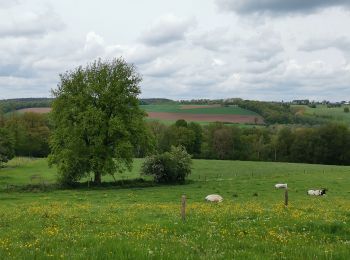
[[183, 207], [286, 197]]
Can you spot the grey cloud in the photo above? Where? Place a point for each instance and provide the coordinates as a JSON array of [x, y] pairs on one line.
[[263, 46], [278, 6], [166, 30], [265, 66], [161, 67], [215, 40], [341, 43], [8, 3], [31, 24]]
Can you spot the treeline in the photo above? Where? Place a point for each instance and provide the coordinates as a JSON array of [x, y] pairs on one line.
[[9, 105], [327, 144], [28, 133]]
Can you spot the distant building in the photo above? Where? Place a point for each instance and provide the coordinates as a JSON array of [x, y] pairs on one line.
[[301, 102]]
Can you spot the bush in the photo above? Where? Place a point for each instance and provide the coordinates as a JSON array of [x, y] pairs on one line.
[[168, 167], [346, 109]]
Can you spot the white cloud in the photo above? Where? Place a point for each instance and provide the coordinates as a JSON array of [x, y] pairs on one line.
[[167, 29]]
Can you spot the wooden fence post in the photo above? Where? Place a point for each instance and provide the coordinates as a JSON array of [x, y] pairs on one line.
[[183, 207], [286, 197]]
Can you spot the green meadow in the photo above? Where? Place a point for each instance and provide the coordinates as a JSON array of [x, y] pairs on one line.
[[136, 219], [334, 113]]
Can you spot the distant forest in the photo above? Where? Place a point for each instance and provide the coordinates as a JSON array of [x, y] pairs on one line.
[[29, 134], [10, 105]]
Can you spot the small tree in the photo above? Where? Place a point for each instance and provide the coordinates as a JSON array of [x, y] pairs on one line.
[[169, 167], [346, 109], [7, 151], [97, 120]]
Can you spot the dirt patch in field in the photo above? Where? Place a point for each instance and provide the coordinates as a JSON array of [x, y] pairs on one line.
[[199, 106], [39, 110], [245, 119]]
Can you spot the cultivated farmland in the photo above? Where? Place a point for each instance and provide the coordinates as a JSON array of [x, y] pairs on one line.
[[202, 113], [192, 113], [138, 220], [40, 110]]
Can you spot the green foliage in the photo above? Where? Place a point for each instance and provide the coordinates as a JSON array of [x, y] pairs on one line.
[[6, 146], [97, 120], [188, 135], [181, 123], [312, 105], [30, 132], [169, 167], [328, 143], [346, 110]]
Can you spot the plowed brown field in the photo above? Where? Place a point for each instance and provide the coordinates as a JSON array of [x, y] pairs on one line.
[[40, 110], [245, 119]]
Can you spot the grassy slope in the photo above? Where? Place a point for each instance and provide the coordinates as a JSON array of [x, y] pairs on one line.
[[337, 113], [140, 223]]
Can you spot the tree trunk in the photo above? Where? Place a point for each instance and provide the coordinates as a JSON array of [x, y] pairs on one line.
[[97, 179]]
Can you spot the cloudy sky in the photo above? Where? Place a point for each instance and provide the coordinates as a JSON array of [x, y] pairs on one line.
[[253, 49]]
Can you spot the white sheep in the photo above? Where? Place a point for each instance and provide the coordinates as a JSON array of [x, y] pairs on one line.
[[213, 198]]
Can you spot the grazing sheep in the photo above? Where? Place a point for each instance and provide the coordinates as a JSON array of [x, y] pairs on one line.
[[281, 186], [320, 192], [214, 198]]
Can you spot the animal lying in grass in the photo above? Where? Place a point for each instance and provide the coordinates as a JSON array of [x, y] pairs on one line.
[[213, 198], [281, 186], [320, 192]]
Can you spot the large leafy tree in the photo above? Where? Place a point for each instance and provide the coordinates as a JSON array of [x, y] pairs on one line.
[[97, 120]]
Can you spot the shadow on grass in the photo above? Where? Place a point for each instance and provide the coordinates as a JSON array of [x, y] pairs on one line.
[[138, 183]]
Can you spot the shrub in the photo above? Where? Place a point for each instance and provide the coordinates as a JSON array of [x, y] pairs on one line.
[[313, 105], [168, 167], [346, 110]]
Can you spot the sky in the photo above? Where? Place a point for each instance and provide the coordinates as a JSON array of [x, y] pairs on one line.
[[252, 49]]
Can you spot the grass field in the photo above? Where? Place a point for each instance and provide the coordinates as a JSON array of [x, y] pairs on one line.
[[143, 222], [335, 113]]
